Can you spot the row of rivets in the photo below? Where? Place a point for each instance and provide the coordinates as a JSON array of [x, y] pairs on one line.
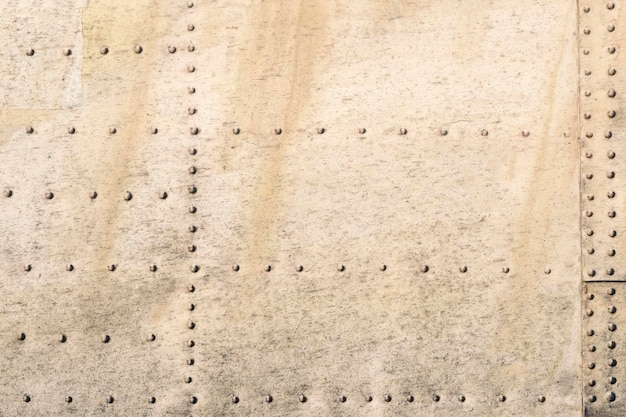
[[105, 338]]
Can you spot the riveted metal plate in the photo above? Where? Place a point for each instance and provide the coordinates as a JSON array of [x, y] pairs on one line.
[[282, 208]]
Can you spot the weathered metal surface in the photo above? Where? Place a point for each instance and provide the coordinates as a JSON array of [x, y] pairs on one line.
[[341, 201]]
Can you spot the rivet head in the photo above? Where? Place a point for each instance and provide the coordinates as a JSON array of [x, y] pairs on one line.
[[484, 132], [383, 267], [192, 151], [69, 267], [610, 5], [191, 68], [610, 154], [190, 361], [610, 396], [587, 92], [192, 229], [502, 398], [590, 296], [104, 50], [612, 362], [192, 189], [611, 49], [191, 307], [194, 130], [26, 398], [436, 398], [589, 312], [612, 71], [154, 130], [302, 398], [403, 131], [591, 251], [610, 271], [589, 134], [587, 72], [608, 134], [590, 197], [424, 268], [443, 132], [21, 336], [368, 398], [463, 269], [278, 131], [138, 49], [541, 399], [299, 268], [341, 268], [193, 399], [268, 399], [611, 344], [151, 400], [171, 49], [191, 248], [611, 309], [151, 337], [191, 90], [589, 213], [590, 332], [30, 52], [589, 232], [589, 176], [592, 348], [591, 383], [591, 365], [190, 4], [112, 130], [611, 252], [611, 93], [62, 338], [68, 399], [236, 131], [586, 9], [191, 48], [191, 325], [163, 195], [320, 130], [235, 399], [610, 28], [611, 214], [611, 113], [191, 343], [190, 27], [612, 380], [8, 193], [525, 133], [192, 110], [505, 270], [235, 268], [49, 195], [71, 130], [153, 268], [591, 398], [586, 31], [587, 116], [128, 196], [106, 338], [612, 233], [387, 398], [612, 327], [362, 130], [342, 398], [461, 398], [110, 400], [28, 267], [192, 209], [547, 271], [194, 268], [591, 272], [29, 129], [268, 268], [410, 398], [610, 194], [112, 267]]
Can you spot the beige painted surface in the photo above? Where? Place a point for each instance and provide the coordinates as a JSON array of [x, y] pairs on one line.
[[479, 230]]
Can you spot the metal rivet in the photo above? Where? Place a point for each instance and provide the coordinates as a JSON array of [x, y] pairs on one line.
[[502, 398], [610, 396], [611, 309], [589, 213], [610, 28], [191, 90], [587, 72], [590, 296], [191, 248], [443, 132], [67, 52], [611, 113], [69, 267], [610, 5], [591, 251], [592, 348], [236, 131], [138, 49], [30, 52], [608, 134], [111, 267], [194, 130], [191, 48], [27, 267], [612, 380], [463, 269], [424, 268], [484, 132], [106, 338], [547, 271], [191, 307], [410, 398], [590, 332], [505, 270], [589, 176], [128, 196], [541, 399], [191, 288], [191, 325], [591, 383], [586, 51], [362, 130], [104, 50], [320, 130], [589, 134], [68, 399], [341, 268], [587, 93], [8, 193], [192, 209], [302, 398], [383, 267], [587, 31], [191, 343], [611, 49], [235, 399], [153, 268], [589, 312], [387, 398], [26, 398], [193, 151], [342, 399], [591, 398], [171, 49], [235, 268], [71, 130], [151, 400], [193, 229], [299, 268], [590, 197], [587, 116], [436, 398], [112, 130], [21, 336], [194, 268], [612, 233], [368, 398], [591, 272], [151, 337], [403, 131], [591, 365], [612, 327], [611, 344], [190, 28], [610, 271], [589, 232], [610, 194], [190, 4], [193, 399], [612, 71], [525, 133], [191, 68], [611, 252], [611, 93], [278, 131], [190, 361], [461, 398], [154, 130], [192, 189], [610, 154], [268, 268], [192, 110], [268, 399], [49, 195], [29, 129], [163, 195], [612, 362], [586, 9]]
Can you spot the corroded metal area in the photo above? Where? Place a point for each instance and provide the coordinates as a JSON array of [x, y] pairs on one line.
[[309, 208]]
